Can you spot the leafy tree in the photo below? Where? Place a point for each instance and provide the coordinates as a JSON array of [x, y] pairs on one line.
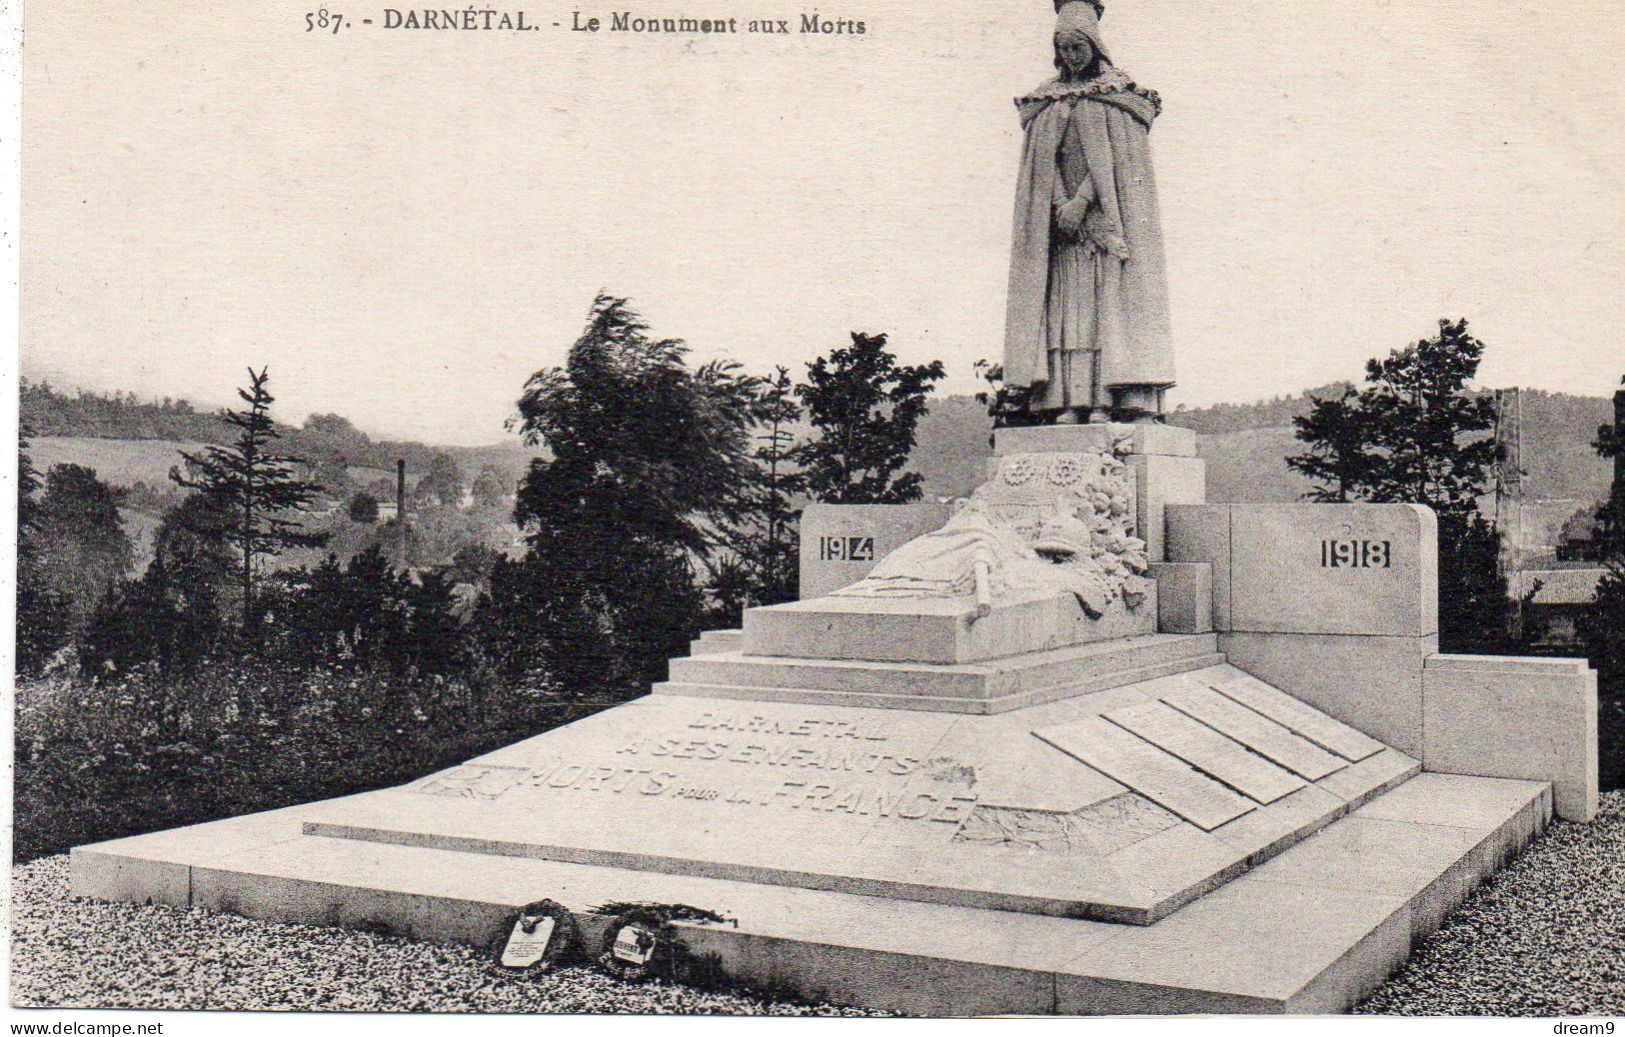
[[645, 458], [443, 481], [77, 540], [1340, 437], [363, 508], [1006, 405], [44, 620], [256, 487], [473, 564], [489, 488], [1602, 625], [340, 431], [865, 408], [1416, 433]]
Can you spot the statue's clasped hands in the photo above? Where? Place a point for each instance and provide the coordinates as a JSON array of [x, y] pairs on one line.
[[1070, 215]]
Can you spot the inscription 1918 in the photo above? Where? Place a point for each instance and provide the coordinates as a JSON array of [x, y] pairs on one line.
[[1356, 554]]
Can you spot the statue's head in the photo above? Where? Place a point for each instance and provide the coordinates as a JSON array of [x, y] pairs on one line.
[[1079, 51]]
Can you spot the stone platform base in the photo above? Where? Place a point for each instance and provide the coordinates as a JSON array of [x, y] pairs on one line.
[[1309, 931], [936, 630], [991, 687]]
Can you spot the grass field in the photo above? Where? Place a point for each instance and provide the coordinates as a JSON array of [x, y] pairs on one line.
[[119, 462]]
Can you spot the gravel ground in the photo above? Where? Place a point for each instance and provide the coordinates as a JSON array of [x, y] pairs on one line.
[[70, 953], [1546, 937]]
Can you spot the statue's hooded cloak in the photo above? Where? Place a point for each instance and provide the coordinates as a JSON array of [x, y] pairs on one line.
[[1110, 117]]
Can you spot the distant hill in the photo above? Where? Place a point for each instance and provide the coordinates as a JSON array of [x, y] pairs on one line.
[[129, 440], [1246, 446], [340, 455]]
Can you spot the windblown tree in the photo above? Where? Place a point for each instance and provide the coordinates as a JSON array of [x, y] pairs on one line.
[[865, 409], [1417, 433], [258, 493], [645, 457]]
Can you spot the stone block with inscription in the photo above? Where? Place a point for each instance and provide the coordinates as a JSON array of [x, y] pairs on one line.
[[840, 543]]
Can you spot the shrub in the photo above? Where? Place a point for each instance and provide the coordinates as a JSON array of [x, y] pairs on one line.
[[101, 761]]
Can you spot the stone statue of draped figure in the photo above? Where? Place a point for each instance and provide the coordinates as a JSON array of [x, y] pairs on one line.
[[1087, 332]]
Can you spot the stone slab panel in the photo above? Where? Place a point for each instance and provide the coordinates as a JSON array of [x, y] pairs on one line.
[[1363, 853], [841, 543], [1342, 569], [130, 880], [1264, 833], [1207, 750], [1158, 776], [1251, 939], [1301, 720], [770, 794], [1372, 684], [1203, 702], [1372, 776], [1515, 719], [1455, 801], [913, 985], [1159, 482], [1199, 534], [1184, 597]]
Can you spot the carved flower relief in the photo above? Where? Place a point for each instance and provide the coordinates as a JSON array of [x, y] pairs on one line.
[[1019, 471], [1065, 471]]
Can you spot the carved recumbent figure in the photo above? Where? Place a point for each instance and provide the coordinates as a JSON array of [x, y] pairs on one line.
[[1044, 525]]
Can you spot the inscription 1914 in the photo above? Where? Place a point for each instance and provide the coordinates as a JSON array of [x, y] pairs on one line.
[[846, 549]]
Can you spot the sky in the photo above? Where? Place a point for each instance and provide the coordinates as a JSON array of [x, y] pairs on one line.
[[405, 225]]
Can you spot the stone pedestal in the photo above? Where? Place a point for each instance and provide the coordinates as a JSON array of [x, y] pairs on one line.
[[1163, 458]]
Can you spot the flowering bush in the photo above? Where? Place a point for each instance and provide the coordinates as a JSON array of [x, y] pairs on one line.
[[149, 751]]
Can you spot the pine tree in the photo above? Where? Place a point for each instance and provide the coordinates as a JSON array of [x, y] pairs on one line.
[[775, 557], [1417, 433], [865, 408], [759, 563], [257, 488]]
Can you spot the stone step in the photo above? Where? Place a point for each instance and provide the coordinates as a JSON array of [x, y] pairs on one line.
[[1309, 931], [1104, 680], [1038, 671], [714, 642]]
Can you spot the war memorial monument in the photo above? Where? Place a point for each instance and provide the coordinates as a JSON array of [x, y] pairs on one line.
[[1082, 743]]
